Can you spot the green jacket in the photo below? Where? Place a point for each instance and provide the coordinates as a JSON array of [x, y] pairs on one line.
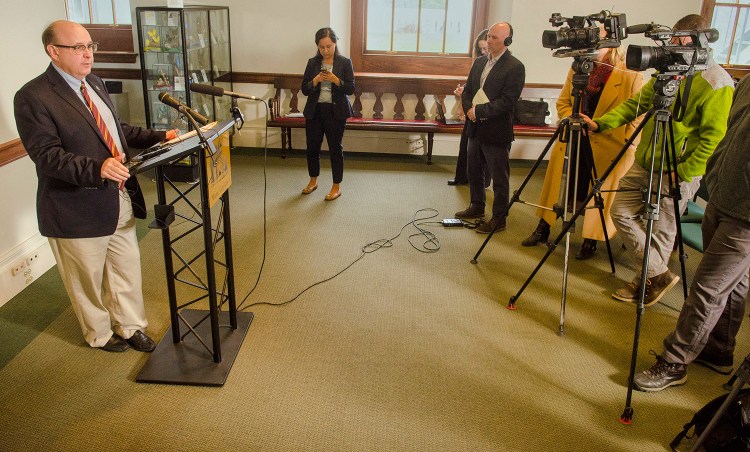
[[728, 174], [701, 129]]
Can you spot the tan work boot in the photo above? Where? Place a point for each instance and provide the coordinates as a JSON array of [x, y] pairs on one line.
[[629, 293], [658, 285]]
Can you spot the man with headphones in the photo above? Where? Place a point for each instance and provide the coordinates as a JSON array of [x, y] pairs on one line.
[[492, 89]]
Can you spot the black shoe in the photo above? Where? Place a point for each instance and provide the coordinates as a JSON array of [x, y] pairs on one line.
[[456, 182], [587, 250], [720, 364], [141, 342], [540, 234], [495, 224], [115, 344], [471, 212], [660, 376]]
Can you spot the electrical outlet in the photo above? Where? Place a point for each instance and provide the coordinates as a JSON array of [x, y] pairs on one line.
[[32, 258], [17, 268]]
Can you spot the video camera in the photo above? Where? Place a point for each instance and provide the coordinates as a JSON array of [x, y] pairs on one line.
[[670, 58], [582, 36]]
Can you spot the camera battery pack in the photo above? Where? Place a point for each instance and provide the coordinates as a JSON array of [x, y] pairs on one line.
[[452, 223]]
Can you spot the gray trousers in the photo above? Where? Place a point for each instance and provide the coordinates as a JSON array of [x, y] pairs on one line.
[[715, 307], [496, 157], [628, 207]]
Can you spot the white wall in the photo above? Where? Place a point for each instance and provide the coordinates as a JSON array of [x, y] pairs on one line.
[[26, 58]]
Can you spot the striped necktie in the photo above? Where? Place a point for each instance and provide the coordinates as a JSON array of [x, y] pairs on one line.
[[99, 122]]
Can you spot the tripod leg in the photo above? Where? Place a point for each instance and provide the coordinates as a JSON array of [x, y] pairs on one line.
[[598, 199], [674, 189], [574, 143], [517, 193]]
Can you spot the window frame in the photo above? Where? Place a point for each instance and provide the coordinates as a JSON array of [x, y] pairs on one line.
[[408, 62], [707, 11]]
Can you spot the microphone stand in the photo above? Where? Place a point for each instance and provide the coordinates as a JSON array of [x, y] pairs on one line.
[[239, 118]]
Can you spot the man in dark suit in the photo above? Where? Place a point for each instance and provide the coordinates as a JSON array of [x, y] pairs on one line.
[[491, 92], [69, 127]]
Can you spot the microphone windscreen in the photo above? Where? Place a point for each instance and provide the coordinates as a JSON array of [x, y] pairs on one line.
[[712, 34], [164, 97], [207, 89], [638, 29]]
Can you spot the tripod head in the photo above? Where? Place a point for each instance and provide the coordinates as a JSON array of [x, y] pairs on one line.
[[582, 66], [666, 88]]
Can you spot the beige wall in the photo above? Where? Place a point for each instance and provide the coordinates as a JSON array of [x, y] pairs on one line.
[[23, 53]]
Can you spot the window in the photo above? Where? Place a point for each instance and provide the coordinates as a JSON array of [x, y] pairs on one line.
[[109, 12], [732, 19], [436, 27], [415, 36], [109, 24]]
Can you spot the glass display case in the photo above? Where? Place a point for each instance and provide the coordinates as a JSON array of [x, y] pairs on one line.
[[180, 46]]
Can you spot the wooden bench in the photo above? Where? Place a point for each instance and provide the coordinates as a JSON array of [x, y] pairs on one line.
[[400, 87]]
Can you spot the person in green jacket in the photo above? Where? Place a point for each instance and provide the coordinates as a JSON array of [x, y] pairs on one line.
[[707, 327], [696, 137]]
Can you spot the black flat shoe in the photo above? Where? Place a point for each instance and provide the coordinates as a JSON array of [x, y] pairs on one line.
[[141, 342], [115, 344], [456, 182], [587, 250]]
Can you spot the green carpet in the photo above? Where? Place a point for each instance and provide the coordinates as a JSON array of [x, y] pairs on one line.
[[403, 351]]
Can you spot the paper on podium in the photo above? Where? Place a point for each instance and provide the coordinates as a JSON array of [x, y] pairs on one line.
[[480, 98]]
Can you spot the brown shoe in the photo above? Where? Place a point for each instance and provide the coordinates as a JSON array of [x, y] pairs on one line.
[[629, 293], [494, 225], [657, 286], [470, 212]]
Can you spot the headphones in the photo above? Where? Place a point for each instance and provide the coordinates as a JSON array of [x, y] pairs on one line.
[[509, 40]]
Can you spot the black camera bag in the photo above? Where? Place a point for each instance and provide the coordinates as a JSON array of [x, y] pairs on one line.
[[732, 431], [530, 112]]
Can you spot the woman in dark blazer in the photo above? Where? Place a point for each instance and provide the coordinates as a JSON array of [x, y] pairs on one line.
[[328, 79]]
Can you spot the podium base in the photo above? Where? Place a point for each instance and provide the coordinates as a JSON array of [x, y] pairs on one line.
[[188, 362]]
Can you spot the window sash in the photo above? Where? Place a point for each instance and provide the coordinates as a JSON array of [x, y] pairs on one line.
[[410, 62]]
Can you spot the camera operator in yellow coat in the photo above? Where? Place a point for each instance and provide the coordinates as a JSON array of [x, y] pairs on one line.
[[610, 83]]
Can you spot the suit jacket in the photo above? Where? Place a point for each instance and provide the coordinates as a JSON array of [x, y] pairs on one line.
[[503, 88], [62, 139], [342, 68]]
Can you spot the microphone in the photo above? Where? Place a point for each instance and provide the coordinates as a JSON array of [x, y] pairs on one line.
[[638, 29], [164, 97], [218, 91]]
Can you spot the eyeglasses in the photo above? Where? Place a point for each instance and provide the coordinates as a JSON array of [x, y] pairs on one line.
[[80, 48]]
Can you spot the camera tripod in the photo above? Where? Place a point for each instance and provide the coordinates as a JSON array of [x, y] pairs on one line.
[[666, 86], [577, 151]]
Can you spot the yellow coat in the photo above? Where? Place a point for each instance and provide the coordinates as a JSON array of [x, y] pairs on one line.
[[621, 85]]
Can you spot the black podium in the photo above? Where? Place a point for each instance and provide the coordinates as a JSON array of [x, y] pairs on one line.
[[201, 345]]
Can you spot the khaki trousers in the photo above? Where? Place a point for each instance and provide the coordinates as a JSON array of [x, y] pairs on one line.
[[629, 206], [102, 276]]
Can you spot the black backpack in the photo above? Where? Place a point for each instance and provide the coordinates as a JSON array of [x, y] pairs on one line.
[[731, 432]]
